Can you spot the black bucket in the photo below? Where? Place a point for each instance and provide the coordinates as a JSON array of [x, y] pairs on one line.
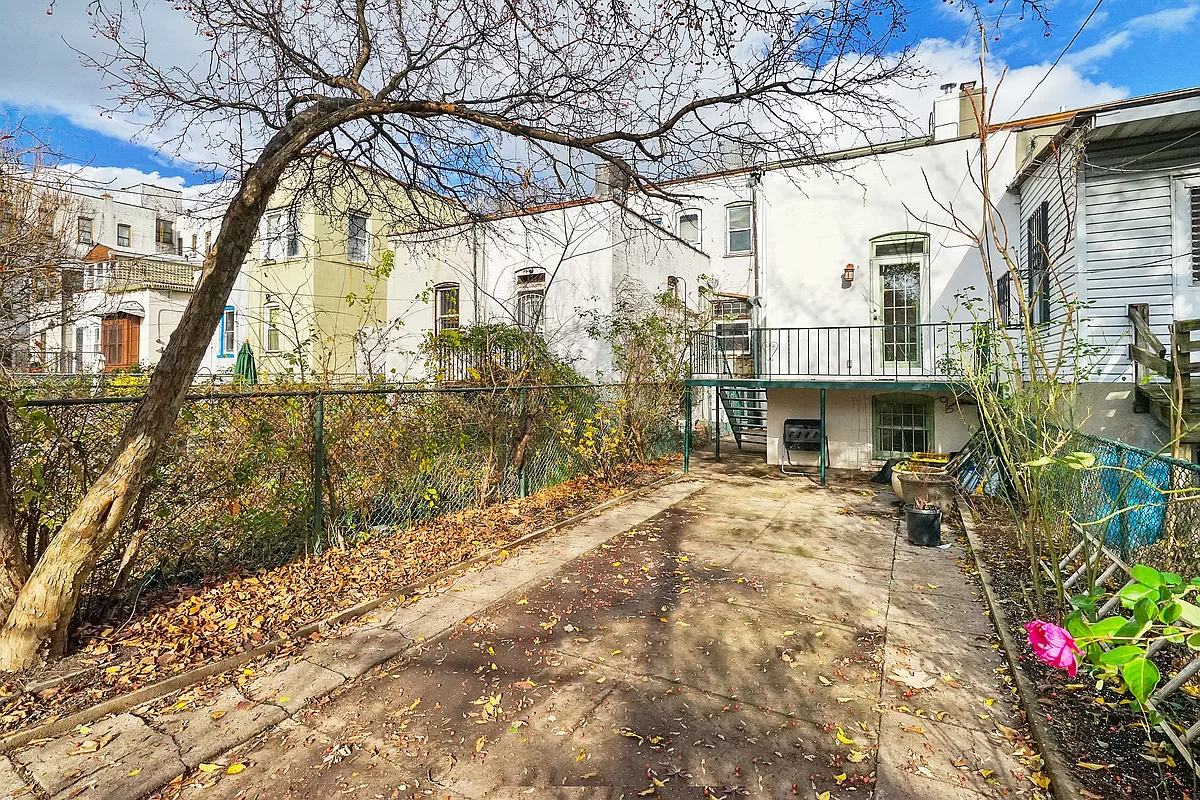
[[924, 526]]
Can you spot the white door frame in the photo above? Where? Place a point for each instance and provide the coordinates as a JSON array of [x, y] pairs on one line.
[[1187, 290]]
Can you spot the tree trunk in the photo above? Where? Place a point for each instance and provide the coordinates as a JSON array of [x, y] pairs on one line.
[[15, 569], [46, 602]]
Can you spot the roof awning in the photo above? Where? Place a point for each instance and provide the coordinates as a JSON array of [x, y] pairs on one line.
[[131, 307]]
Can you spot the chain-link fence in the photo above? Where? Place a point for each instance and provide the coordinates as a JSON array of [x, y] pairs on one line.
[[252, 480], [1144, 506]]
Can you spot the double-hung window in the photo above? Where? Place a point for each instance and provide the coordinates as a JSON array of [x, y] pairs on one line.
[[739, 237], [357, 235], [85, 230], [689, 227], [281, 235], [445, 307], [124, 235], [164, 233], [228, 333], [271, 322]]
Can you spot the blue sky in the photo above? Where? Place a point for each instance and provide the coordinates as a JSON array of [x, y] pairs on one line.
[[1129, 48]]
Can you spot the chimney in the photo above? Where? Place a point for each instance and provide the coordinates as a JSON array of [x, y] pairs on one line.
[[970, 106], [610, 181], [944, 120]]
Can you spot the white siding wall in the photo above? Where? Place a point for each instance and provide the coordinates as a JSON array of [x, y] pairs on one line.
[[1128, 247]]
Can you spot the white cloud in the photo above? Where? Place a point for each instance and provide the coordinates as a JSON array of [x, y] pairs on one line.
[[1017, 96], [43, 74], [93, 180], [1169, 20]]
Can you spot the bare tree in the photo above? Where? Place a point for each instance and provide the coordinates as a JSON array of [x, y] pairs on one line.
[[37, 238], [473, 104]]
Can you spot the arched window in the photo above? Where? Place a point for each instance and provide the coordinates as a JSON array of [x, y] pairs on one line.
[[445, 307], [899, 265], [689, 227], [531, 298]]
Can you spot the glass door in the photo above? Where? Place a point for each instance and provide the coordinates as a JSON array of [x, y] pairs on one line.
[[900, 314]]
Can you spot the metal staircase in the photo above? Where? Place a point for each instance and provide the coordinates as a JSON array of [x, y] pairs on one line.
[[746, 410]]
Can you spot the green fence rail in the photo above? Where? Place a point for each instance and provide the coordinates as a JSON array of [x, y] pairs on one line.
[[253, 480]]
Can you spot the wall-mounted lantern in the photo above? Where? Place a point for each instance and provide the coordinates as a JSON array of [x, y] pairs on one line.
[[848, 275]]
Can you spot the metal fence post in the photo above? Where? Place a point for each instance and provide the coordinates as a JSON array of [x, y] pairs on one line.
[[318, 471], [687, 428], [823, 446], [717, 423], [524, 489]]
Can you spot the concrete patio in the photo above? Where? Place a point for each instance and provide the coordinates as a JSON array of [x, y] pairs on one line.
[[736, 633]]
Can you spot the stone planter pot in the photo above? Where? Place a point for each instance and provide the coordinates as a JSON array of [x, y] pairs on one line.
[[929, 487]]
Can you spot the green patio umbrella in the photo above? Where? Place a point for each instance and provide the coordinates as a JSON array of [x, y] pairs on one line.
[[244, 367]]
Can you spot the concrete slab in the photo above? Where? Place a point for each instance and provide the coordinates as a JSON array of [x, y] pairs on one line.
[[291, 686], [894, 783], [132, 759], [797, 539], [945, 611], [971, 690], [354, 651], [949, 754], [929, 638], [218, 727], [12, 785]]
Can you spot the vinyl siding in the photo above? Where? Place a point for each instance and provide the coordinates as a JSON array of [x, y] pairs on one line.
[[1055, 183], [1128, 242]]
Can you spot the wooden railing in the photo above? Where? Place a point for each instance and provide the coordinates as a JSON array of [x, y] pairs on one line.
[[1163, 373]]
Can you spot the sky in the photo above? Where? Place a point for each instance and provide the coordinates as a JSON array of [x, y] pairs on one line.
[[1128, 48]]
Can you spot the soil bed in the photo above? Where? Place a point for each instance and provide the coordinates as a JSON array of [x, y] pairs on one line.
[[193, 626], [1096, 728]]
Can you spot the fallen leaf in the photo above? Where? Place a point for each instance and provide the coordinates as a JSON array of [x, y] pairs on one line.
[[234, 769], [209, 767]]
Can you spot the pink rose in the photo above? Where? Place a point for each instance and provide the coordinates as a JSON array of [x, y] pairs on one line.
[[1053, 645]]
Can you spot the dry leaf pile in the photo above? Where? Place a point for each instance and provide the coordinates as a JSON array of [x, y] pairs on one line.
[[243, 612]]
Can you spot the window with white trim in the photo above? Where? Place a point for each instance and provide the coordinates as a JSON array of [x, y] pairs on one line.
[[357, 237], [445, 307], [124, 235], [228, 332], [85, 230], [272, 335], [1193, 213], [531, 298], [689, 226], [739, 238]]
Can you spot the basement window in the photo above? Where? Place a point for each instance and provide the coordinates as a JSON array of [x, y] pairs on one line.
[[902, 426]]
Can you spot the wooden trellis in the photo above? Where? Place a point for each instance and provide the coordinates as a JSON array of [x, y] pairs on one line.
[[1090, 557]]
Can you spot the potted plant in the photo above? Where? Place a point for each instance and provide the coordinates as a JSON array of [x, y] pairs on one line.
[[924, 524], [913, 481]]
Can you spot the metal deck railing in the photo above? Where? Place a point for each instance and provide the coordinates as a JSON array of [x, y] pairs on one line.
[[941, 351]]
